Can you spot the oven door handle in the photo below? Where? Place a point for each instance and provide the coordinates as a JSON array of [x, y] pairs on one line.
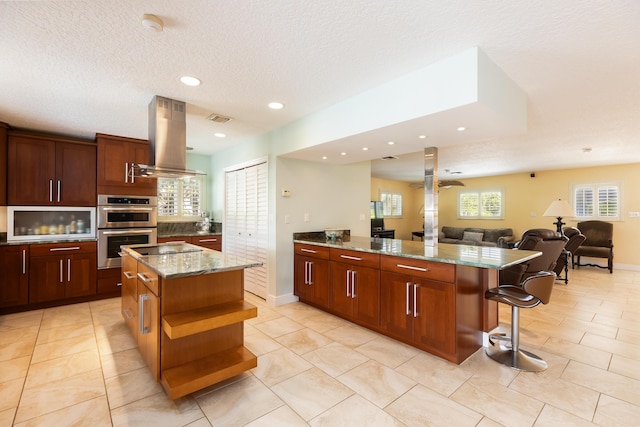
[[105, 208], [119, 232]]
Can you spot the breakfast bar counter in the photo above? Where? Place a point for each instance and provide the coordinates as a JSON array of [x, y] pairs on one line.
[[428, 297], [185, 306]]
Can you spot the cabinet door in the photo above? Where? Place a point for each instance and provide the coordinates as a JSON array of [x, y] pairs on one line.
[[31, 171], [3, 163], [300, 276], [75, 174], [46, 278], [113, 161], [366, 289], [139, 152], [340, 299], [396, 300], [149, 329], [434, 321], [80, 274], [14, 280]]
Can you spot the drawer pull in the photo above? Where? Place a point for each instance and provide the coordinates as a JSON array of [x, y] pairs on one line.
[[354, 258], [128, 275], [308, 250], [71, 248], [207, 240], [145, 278], [410, 267]]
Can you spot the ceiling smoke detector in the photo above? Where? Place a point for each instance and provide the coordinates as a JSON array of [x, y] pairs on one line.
[[152, 22], [217, 118]]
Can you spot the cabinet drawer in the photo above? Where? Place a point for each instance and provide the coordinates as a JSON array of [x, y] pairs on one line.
[[365, 259], [62, 248], [414, 267], [311, 250], [211, 242], [148, 278]]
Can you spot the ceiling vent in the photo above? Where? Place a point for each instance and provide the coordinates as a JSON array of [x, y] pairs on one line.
[[218, 118], [389, 158]]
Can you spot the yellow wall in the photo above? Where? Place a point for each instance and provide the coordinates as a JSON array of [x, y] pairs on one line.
[[412, 201], [527, 198]]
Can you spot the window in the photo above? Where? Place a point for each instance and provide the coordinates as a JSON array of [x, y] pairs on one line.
[[391, 204], [476, 204], [597, 200], [180, 198]]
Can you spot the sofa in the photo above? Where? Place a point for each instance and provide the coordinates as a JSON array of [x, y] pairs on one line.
[[496, 237]]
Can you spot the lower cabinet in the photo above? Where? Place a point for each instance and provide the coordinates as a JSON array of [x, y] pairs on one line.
[[419, 310], [59, 271], [355, 286], [109, 282], [129, 298], [14, 280], [311, 274], [149, 328], [210, 241]]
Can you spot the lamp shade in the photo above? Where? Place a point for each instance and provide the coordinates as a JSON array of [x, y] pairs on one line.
[[559, 208]]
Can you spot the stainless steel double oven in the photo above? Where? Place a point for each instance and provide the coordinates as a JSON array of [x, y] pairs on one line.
[[124, 220]]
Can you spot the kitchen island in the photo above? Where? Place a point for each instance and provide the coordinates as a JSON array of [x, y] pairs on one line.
[[429, 297], [185, 306]]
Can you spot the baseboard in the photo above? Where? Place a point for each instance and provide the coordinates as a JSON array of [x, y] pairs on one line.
[[281, 299]]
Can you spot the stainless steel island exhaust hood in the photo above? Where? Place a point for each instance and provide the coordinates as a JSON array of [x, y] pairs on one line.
[[167, 140]]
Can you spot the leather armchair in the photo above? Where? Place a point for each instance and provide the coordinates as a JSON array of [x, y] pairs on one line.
[[549, 242], [576, 238], [598, 243]]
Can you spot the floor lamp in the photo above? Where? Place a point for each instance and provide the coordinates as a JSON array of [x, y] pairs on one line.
[[559, 208]]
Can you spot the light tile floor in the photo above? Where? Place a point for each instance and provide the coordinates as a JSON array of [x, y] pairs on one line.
[[78, 365]]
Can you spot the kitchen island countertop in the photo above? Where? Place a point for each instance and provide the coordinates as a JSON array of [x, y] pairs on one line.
[[188, 260], [474, 256]]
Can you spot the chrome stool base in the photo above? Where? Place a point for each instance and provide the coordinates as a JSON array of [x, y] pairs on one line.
[[521, 360]]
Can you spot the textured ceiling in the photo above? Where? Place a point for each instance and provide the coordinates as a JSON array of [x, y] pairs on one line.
[[81, 67]]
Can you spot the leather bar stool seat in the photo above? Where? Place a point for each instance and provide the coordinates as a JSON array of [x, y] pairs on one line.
[[533, 291]]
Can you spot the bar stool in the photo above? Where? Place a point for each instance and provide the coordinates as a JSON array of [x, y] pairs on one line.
[[533, 291]]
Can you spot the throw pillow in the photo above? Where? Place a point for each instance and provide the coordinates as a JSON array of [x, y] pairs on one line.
[[474, 237]]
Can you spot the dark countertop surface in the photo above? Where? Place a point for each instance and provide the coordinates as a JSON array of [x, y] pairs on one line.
[[475, 256]]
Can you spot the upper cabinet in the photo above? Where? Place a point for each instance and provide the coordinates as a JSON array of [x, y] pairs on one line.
[[3, 163], [116, 157], [47, 170]]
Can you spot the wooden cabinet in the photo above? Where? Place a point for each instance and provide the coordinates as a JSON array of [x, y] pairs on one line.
[[311, 274], [60, 271], [116, 157], [149, 328], [355, 285], [49, 170], [213, 241], [109, 282], [14, 280], [3, 163], [129, 298]]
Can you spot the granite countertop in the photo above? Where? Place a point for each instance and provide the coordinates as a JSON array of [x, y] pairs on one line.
[[194, 261], [475, 256]]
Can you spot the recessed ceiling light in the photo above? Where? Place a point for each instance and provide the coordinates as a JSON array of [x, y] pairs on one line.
[[364, 148], [390, 142], [422, 136], [190, 81], [220, 134], [276, 105], [324, 157], [461, 129], [343, 154]]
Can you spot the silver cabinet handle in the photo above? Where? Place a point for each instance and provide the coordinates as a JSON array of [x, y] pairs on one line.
[[310, 273], [133, 171], [51, 190], [126, 173], [308, 250], [24, 261], [354, 258], [70, 248], [353, 283], [130, 209], [143, 328], [348, 284], [128, 275], [68, 269], [407, 302], [113, 233], [144, 278], [207, 240], [59, 188], [119, 284], [60, 271], [410, 267], [415, 300]]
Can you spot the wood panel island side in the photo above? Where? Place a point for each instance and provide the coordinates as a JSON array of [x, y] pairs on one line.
[[185, 306], [429, 297]]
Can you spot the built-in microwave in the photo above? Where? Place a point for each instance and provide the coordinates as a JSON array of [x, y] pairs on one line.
[[127, 211]]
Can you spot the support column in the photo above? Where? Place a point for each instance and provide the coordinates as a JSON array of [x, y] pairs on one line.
[[431, 196]]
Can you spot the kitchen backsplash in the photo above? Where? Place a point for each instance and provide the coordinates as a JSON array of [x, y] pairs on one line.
[[173, 228]]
